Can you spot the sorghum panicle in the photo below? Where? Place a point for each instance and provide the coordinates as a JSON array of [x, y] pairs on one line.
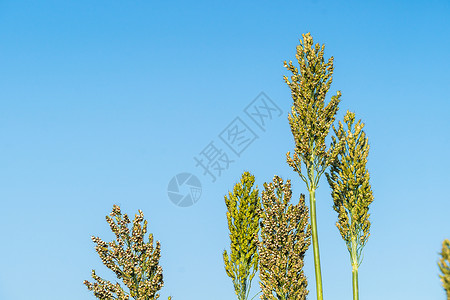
[[131, 258], [444, 267], [349, 182], [243, 205], [285, 237]]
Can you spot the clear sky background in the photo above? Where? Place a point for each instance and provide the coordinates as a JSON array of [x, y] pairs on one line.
[[103, 102]]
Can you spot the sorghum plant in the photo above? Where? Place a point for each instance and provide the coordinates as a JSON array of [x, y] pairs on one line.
[[351, 190], [243, 222], [310, 123], [285, 237], [444, 266], [133, 260]]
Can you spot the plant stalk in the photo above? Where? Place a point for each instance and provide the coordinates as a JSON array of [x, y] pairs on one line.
[[354, 271], [315, 241]]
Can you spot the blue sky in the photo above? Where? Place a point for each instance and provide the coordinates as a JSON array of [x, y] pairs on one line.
[[103, 102]]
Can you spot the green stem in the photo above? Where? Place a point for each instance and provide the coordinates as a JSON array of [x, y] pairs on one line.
[[315, 241], [355, 283], [354, 270]]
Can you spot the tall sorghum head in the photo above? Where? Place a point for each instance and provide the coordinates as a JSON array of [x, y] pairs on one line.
[[285, 237], [444, 266], [133, 260], [310, 119], [349, 181], [243, 206]]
